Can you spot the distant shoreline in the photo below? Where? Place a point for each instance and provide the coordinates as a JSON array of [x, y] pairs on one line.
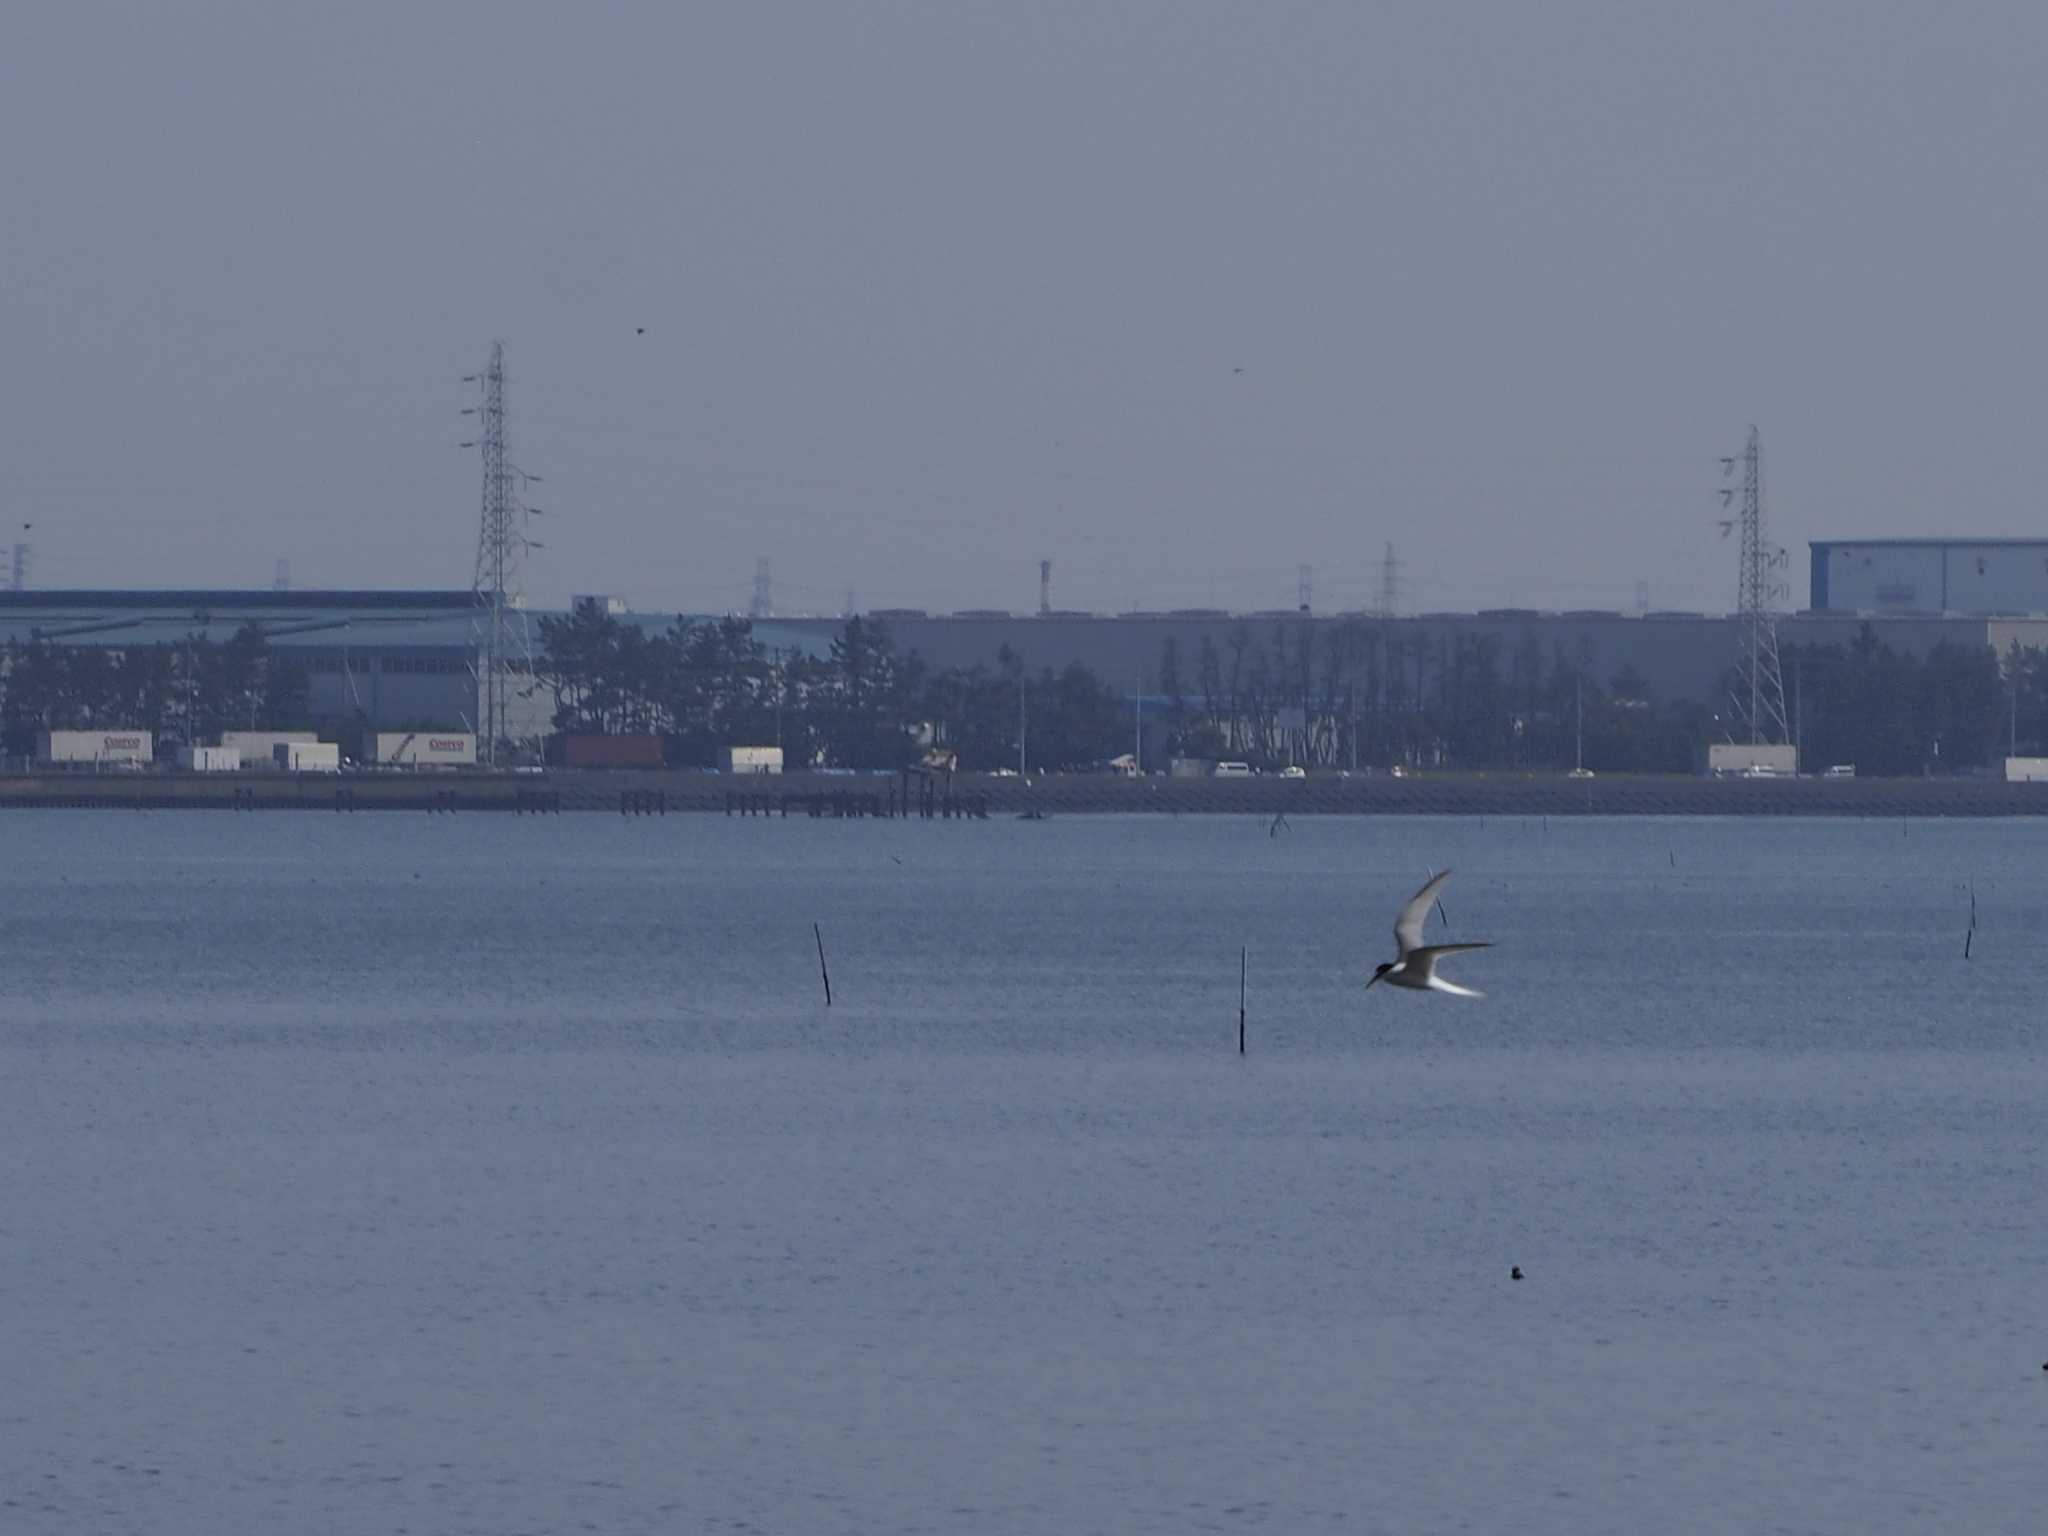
[[839, 795]]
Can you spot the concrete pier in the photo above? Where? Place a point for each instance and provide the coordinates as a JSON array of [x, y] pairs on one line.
[[979, 796]]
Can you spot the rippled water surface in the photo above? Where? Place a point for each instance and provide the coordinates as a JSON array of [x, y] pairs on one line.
[[444, 1174]]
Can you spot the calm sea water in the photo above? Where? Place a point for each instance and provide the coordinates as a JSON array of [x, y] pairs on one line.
[[444, 1174]]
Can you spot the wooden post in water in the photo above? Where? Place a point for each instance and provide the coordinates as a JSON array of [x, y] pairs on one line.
[[1243, 959], [819, 934]]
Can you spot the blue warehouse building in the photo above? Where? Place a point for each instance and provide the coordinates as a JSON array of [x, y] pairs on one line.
[[376, 658], [2005, 577]]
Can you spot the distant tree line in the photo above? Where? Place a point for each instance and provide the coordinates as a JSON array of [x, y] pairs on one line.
[[1957, 709], [1369, 694], [703, 684], [1374, 694], [185, 690], [1358, 694]]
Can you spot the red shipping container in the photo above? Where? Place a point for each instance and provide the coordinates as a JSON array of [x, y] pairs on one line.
[[612, 752]]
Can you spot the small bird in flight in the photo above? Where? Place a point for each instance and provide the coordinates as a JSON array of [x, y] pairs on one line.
[[1415, 966]]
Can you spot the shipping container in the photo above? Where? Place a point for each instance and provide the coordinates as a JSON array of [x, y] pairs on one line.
[[612, 752], [1752, 760], [210, 759], [752, 759], [94, 747], [422, 749], [307, 756], [2026, 770], [259, 748]]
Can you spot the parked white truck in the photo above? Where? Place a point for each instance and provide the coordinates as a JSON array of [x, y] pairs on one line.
[[103, 748]]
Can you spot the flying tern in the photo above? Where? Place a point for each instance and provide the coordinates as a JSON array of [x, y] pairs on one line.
[[1415, 966]]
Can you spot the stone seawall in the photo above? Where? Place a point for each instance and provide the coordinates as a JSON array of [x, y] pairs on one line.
[[840, 795]]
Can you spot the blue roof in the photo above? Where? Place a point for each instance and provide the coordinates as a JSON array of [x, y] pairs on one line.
[[369, 619], [235, 600]]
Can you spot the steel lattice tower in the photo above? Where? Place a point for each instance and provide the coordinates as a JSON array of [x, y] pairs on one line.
[[503, 646], [1761, 699]]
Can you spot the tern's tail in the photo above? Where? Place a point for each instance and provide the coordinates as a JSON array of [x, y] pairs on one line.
[[1438, 984]]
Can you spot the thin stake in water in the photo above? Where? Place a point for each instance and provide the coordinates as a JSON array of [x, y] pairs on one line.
[[819, 935], [1971, 933], [1243, 959]]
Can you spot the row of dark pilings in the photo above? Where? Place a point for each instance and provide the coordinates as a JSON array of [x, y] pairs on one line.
[[846, 805], [917, 793]]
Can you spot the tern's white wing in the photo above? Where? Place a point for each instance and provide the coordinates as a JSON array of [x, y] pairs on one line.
[[1421, 963], [1408, 926]]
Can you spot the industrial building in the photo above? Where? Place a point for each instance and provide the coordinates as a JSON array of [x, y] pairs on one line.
[[1967, 576], [402, 661], [370, 657]]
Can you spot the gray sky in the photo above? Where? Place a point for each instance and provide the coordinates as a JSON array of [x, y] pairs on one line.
[[933, 290]]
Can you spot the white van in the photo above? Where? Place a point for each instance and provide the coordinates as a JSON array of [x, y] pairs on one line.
[[1233, 770]]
